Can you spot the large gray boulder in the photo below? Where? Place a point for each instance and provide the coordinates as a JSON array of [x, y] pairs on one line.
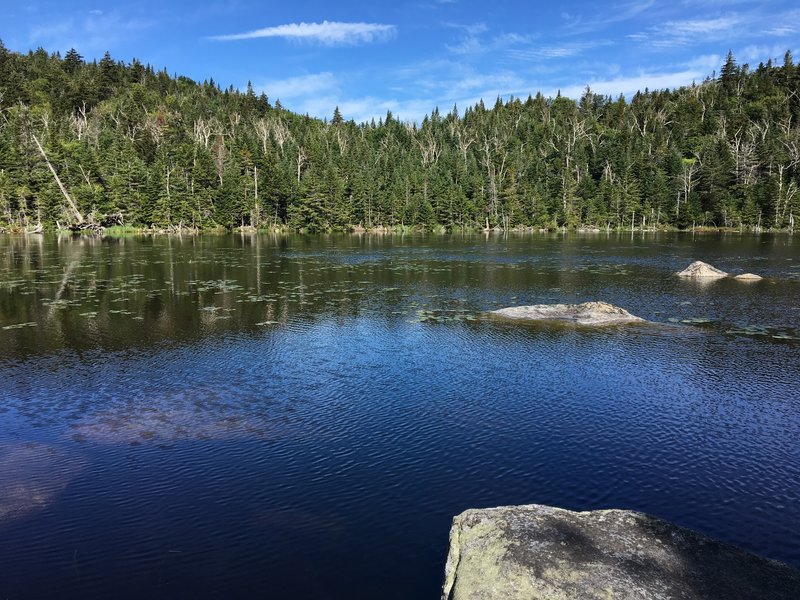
[[587, 313], [700, 270], [540, 552]]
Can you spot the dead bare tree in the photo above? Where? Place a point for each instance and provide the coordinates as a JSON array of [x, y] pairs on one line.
[[79, 121], [690, 168], [70, 202], [204, 130], [462, 138], [429, 148], [280, 133], [302, 158]]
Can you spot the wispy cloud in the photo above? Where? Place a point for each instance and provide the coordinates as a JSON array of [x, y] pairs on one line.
[[691, 31], [94, 32], [577, 24], [297, 87], [329, 33], [553, 51], [474, 44], [788, 24]]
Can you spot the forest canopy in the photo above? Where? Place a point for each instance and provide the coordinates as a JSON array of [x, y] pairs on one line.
[[162, 151]]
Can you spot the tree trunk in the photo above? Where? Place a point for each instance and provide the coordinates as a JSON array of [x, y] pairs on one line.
[[72, 205]]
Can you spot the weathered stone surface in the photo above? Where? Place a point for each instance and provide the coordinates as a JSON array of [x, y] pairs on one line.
[[588, 313], [700, 270], [748, 277], [540, 552]]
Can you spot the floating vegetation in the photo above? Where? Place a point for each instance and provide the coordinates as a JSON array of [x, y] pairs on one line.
[[444, 316], [21, 325], [765, 331], [697, 321]]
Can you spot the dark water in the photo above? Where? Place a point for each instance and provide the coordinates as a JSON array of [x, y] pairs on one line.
[[301, 417]]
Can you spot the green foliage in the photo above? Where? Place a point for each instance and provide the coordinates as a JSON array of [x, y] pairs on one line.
[[167, 151]]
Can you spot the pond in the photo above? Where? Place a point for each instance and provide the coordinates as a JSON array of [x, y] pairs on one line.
[[301, 417]]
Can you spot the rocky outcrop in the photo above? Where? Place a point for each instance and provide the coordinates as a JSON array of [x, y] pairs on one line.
[[540, 552], [748, 277], [700, 270], [588, 313]]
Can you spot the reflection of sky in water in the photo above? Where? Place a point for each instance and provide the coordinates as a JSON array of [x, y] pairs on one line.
[[269, 407]]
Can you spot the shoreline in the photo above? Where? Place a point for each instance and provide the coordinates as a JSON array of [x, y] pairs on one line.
[[395, 230]]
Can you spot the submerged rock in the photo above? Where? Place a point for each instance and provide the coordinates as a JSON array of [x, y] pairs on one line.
[[700, 270], [31, 476], [748, 277], [588, 313], [540, 552]]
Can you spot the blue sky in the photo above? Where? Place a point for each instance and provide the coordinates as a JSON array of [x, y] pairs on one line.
[[409, 56]]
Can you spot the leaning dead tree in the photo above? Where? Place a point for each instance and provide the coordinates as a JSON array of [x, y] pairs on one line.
[[79, 222], [73, 207]]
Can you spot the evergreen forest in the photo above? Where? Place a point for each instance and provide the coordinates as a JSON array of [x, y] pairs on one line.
[[114, 142]]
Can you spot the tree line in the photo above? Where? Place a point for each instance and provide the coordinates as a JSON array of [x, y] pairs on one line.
[[85, 140]]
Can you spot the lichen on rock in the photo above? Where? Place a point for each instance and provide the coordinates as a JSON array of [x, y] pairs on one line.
[[539, 552]]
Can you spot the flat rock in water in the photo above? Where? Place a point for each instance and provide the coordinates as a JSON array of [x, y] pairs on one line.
[[748, 277], [540, 552], [699, 269], [588, 313]]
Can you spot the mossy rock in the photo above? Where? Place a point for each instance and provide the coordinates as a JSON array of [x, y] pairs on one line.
[[537, 552]]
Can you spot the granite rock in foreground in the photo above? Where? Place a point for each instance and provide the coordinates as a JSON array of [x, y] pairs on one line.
[[588, 313], [540, 552]]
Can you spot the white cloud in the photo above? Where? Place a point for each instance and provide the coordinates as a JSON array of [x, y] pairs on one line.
[[632, 84], [329, 33], [92, 34], [297, 87], [549, 51], [472, 44], [787, 24], [691, 31], [706, 62], [762, 53], [702, 27], [447, 83], [727, 28], [575, 23]]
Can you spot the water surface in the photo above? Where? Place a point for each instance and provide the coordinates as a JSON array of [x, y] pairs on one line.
[[302, 416]]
